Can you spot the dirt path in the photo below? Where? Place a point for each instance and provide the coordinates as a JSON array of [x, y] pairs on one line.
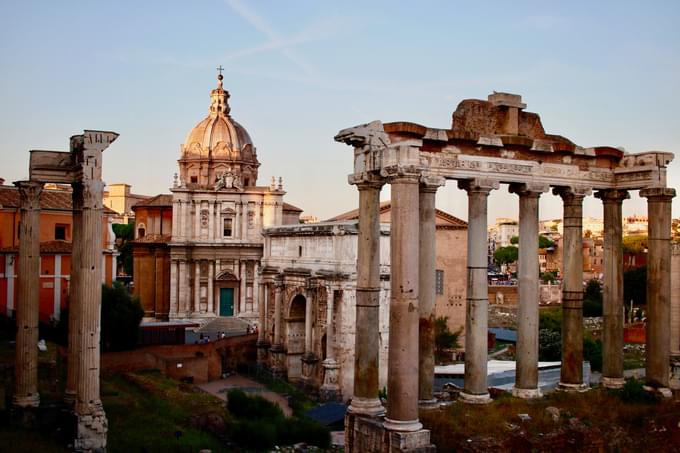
[[220, 388]]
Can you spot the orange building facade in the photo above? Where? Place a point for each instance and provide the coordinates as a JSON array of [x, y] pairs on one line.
[[56, 229]]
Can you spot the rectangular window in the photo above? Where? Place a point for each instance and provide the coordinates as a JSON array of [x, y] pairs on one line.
[[439, 282], [227, 231], [60, 232]]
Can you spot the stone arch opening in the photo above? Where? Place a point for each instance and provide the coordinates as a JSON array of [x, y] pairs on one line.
[[295, 336]]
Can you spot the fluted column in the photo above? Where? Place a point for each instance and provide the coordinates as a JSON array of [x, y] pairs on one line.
[[211, 278], [427, 259], [526, 375], [309, 318], [262, 333], [74, 298], [571, 372], [277, 347], [242, 288], [197, 287], [477, 312], [330, 390], [367, 339], [612, 297], [402, 374], [658, 285], [28, 297], [183, 289], [92, 424]]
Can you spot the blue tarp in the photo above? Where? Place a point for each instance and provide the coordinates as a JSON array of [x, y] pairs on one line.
[[506, 335], [328, 414]]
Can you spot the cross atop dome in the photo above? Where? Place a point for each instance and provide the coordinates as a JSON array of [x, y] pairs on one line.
[[219, 96]]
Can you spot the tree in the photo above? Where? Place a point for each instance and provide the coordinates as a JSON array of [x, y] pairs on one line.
[[635, 243], [121, 315], [548, 277], [635, 286], [545, 242], [124, 234], [506, 255], [592, 299], [444, 338], [514, 240]]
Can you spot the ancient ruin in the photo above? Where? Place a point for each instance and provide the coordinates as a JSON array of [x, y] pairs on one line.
[[490, 143], [82, 168]]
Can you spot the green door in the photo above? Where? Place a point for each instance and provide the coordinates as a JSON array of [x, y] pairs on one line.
[[226, 301]]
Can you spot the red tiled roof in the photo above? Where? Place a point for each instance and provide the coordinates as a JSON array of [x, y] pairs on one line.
[[49, 247], [290, 207], [159, 201], [54, 200], [385, 206]]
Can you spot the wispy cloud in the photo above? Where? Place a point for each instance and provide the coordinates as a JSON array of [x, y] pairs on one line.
[[275, 39]]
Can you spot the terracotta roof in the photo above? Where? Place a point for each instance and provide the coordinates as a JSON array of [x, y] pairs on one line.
[[385, 206], [290, 207], [55, 247], [55, 200], [158, 201]]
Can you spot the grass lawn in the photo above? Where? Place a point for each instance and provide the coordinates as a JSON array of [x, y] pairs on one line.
[[149, 412]]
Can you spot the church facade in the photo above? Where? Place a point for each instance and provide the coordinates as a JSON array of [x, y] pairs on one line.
[[204, 260]]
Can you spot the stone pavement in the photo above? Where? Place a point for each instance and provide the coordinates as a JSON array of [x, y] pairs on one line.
[[220, 388]]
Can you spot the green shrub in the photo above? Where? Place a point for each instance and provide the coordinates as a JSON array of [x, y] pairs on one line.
[[549, 345], [257, 434], [303, 429], [244, 406], [632, 392], [550, 319], [120, 318], [592, 351]]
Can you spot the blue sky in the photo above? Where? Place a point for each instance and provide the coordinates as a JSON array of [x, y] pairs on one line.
[[600, 73]]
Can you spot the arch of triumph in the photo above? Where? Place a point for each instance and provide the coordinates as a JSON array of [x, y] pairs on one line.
[[490, 143]]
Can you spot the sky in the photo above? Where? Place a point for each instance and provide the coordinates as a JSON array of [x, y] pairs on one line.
[[599, 73]]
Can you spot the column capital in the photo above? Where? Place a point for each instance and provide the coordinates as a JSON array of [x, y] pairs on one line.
[[401, 174], [430, 183], [528, 189], [612, 195], [478, 185], [570, 194], [366, 181], [658, 193], [29, 193]]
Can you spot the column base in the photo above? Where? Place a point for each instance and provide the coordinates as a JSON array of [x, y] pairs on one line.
[[526, 393], [613, 382], [26, 401], [69, 397], [674, 382], [428, 405], [470, 398], [406, 426], [371, 407], [91, 431], [564, 387], [414, 441]]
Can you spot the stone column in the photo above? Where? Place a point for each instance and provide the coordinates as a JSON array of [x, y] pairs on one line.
[[367, 339], [211, 278], [309, 359], [526, 377], [427, 259], [402, 374], [185, 213], [242, 288], [74, 298], [277, 348], [612, 297], [92, 423], [28, 300], [675, 317], [658, 285], [477, 312], [211, 219], [330, 391], [182, 291], [174, 309], [197, 286], [571, 372], [262, 343]]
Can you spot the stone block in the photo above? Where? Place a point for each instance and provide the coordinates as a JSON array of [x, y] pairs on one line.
[[411, 442]]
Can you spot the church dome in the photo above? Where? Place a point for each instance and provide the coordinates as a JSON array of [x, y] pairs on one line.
[[218, 145]]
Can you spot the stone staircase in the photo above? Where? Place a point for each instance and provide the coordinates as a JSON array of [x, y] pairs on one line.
[[230, 326]]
